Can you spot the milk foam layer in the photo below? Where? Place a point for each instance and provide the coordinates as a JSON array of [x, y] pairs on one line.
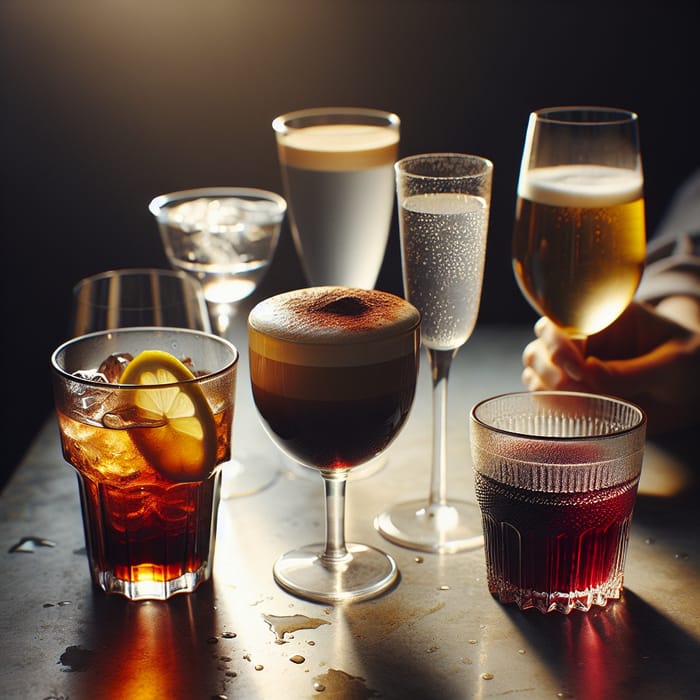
[[363, 326], [338, 146]]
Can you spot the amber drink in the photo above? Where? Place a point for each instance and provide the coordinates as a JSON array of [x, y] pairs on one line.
[[145, 417]]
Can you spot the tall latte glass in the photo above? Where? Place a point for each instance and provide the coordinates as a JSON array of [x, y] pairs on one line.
[[337, 168], [145, 417], [333, 372]]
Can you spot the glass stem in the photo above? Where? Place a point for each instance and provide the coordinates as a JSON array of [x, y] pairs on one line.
[[335, 551], [440, 362], [221, 315]]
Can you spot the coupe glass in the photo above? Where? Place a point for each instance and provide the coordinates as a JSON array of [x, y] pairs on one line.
[[444, 201], [579, 237], [225, 237], [337, 168], [333, 373]]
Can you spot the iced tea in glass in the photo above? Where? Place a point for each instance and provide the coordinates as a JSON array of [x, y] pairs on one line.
[[145, 417]]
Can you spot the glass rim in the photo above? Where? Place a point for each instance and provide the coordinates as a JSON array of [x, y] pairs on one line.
[[163, 201], [135, 271], [607, 115], [281, 126], [401, 165], [64, 374], [640, 422]]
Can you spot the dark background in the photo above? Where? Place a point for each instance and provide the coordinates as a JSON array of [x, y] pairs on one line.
[[107, 103]]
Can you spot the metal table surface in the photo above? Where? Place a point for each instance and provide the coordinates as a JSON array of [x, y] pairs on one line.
[[437, 634]]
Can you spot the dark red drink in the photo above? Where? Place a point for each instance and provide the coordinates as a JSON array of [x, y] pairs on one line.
[[544, 548]]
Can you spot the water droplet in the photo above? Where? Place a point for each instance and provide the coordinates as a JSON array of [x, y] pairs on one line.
[[231, 674], [487, 676], [220, 696], [564, 694], [681, 555], [47, 605], [311, 643], [259, 667], [319, 687], [297, 659], [522, 651], [418, 560], [443, 588], [432, 649], [283, 625], [473, 641], [247, 657], [343, 685], [77, 658], [225, 658], [649, 540], [29, 545], [229, 635], [212, 640], [64, 602]]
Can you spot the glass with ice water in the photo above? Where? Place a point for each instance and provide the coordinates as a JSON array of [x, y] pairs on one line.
[[223, 236]]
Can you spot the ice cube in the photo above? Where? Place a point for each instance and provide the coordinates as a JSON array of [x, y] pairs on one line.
[[113, 366]]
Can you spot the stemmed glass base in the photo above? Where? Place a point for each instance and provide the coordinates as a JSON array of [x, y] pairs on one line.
[[239, 479], [436, 527], [364, 572]]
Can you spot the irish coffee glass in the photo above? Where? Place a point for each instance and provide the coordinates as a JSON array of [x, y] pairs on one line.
[[333, 373]]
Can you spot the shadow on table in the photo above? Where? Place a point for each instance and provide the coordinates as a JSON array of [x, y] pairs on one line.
[[628, 649], [150, 649]]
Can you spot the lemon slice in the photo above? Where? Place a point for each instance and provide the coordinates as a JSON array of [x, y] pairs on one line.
[[183, 445]]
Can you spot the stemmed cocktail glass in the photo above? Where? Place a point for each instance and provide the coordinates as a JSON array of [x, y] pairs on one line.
[[579, 237], [225, 237], [333, 373], [444, 201]]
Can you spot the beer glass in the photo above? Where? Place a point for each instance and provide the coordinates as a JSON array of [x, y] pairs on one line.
[[337, 169], [145, 418], [444, 201], [579, 237], [556, 478], [333, 373]]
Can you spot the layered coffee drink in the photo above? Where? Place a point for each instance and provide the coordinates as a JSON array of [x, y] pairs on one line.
[[333, 371]]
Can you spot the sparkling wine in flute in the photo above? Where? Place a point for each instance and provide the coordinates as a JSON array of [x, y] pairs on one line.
[[339, 182], [444, 247]]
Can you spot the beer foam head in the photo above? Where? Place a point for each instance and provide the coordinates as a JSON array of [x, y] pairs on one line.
[[362, 325], [581, 185]]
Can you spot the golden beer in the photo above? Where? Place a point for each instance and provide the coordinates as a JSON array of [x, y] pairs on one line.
[[579, 243]]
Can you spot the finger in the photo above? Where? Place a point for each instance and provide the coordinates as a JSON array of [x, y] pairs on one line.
[[564, 352]]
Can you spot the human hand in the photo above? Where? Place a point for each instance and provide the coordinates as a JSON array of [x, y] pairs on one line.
[[644, 357]]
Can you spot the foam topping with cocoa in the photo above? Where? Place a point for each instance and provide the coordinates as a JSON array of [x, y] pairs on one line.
[[333, 326], [333, 315]]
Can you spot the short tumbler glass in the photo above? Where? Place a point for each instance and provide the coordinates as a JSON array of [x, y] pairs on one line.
[[556, 479], [149, 482]]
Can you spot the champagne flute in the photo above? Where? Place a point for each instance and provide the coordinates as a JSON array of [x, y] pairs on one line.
[[224, 237], [579, 237], [138, 297], [337, 168], [333, 373], [444, 201]]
